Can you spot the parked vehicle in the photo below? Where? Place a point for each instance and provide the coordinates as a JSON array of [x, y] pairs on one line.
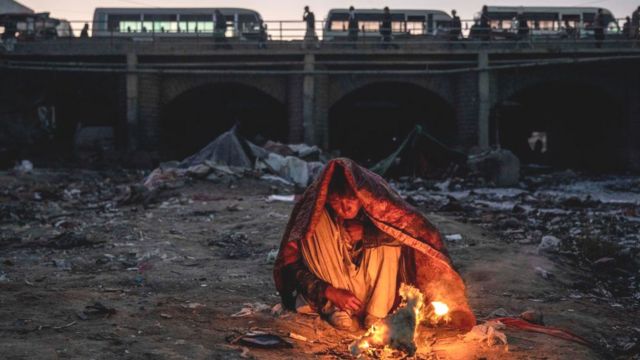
[[241, 24], [405, 24]]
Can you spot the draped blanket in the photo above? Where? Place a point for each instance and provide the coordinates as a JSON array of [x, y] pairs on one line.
[[425, 258]]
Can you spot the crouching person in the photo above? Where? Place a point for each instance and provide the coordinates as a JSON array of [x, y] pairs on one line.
[[351, 241]]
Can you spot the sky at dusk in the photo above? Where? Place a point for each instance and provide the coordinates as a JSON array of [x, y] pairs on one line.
[[292, 9]]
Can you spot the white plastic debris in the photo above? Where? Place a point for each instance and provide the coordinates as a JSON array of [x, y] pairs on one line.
[[24, 167], [543, 273], [549, 244], [489, 332], [283, 198], [454, 237], [271, 256], [251, 308]]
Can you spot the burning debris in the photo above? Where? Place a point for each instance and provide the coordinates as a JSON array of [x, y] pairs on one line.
[[399, 331]]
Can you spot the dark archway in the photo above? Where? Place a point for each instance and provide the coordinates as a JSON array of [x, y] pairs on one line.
[[196, 117], [371, 122], [40, 113], [564, 125]]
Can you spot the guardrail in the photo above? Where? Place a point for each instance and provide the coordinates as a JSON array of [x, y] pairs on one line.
[[284, 31]]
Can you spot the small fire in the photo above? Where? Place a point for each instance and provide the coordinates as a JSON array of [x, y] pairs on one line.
[[398, 330], [438, 313], [440, 308]]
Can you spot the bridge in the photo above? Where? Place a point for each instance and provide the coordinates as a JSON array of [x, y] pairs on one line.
[[169, 97]]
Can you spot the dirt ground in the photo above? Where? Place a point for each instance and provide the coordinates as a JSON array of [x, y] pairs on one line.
[[170, 275]]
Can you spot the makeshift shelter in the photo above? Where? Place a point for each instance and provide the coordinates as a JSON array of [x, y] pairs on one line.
[[13, 7], [230, 153], [420, 154], [424, 260]]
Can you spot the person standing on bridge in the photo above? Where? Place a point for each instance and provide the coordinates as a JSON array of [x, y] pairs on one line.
[[352, 25], [455, 28], [385, 27], [635, 23], [220, 29], [523, 27], [85, 31], [485, 26], [599, 24], [310, 19], [626, 29]]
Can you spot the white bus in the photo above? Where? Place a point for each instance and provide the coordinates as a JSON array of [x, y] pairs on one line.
[[549, 21], [404, 23], [177, 22]]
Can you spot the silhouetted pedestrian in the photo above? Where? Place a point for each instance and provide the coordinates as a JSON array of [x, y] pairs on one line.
[[485, 26], [455, 27], [599, 25], [352, 25], [635, 23], [385, 26], [523, 27], [626, 29], [310, 19], [85, 31], [219, 29], [263, 36]]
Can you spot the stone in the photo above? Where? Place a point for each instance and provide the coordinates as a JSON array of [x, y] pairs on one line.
[[549, 244], [499, 166]]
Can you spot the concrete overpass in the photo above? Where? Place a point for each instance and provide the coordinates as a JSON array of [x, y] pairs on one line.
[[170, 97]]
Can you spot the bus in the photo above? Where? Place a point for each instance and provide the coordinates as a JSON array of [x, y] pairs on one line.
[[32, 26], [243, 24], [548, 21], [405, 24]]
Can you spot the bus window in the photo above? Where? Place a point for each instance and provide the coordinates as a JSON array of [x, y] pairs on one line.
[[248, 22], [338, 26], [162, 23], [416, 25], [196, 23], [124, 23]]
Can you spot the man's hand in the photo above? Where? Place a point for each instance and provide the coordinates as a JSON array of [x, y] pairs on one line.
[[355, 230], [343, 299]]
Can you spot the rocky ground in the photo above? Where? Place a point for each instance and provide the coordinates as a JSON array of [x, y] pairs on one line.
[[92, 267]]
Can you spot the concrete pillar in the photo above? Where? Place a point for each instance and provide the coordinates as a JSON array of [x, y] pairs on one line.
[[294, 109], [132, 101], [484, 99], [308, 100]]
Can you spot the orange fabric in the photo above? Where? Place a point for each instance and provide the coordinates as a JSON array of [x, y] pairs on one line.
[[430, 265]]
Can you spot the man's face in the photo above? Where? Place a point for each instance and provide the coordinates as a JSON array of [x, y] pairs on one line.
[[346, 206]]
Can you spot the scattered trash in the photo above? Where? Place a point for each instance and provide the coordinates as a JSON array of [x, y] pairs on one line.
[[23, 167], [263, 340], [283, 198], [533, 316], [549, 244], [489, 333], [543, 273], [231, 156], [277, 309], [298, 337], [251, 308], [98, 310], [62, 264], [454, 237], [271, 256]]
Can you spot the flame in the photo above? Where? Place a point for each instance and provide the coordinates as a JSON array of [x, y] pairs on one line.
[[439, 308]]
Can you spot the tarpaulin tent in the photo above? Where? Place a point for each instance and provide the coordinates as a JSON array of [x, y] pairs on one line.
[[420, 154]]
